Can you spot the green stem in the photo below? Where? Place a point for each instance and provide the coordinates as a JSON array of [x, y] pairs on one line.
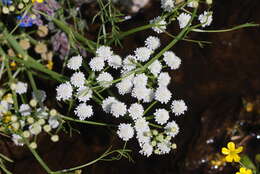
[[151, 105]]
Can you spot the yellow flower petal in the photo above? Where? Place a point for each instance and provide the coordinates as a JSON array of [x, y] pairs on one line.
[[238, 173], [248, 171], [236, 158], [231, 146], [239, 149], [229, 158], [225, 151]]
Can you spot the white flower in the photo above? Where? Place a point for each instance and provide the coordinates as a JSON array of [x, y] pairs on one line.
[[97, 63], [149, 96], [167, 5], [83, 111], [171, 60], [35, 128], [155, 68], [146, 150], [129, 63], [64, 91], [124, 86], [164, 79], [53, 122], [193, 4], [118, 109], [164, 147], [184, 19], [205, 18], [160, 24], [178, 107], [78, 79], [152, 42], [115, 61], [106, 104], [143, 137], [4, 107], [41, 95], [172, 129], [143, 54], [140, 80], [84, 94], [75, 62], [125, 131], [140, 92], [21, 88], [161, 116], [105, 79], [163, 95], [17, 139], [104, 52], [25, 110], [141, 125], [136, 111]]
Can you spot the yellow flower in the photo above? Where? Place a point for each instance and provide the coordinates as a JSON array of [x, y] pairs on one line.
[[243, 170], [39, 1], [232, 152], [49, 65]]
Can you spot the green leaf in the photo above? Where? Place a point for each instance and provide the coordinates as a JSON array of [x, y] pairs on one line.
[[246, 161]]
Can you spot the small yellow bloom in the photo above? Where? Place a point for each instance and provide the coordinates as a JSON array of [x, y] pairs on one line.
[[232, 152], [243, 170], [39, 1], [49, 65]]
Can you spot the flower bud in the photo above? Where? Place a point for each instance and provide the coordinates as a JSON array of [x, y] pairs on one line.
[[55, 138]]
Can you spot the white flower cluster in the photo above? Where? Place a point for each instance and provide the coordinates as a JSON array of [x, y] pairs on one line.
[[148, 88], [31, 121]]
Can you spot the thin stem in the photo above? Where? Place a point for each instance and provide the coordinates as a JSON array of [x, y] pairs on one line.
[[150, 107]]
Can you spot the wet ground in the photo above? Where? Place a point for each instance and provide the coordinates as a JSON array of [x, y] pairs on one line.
[[216, 81]]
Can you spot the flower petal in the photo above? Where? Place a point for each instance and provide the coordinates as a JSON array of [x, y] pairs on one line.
[[242, 170], [229, 158], [248, 171], [231, 146], [236, 158], [225, 151], [238, 173], [239, 149]]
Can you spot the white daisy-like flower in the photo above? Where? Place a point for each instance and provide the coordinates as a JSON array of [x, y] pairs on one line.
[[143, 136], [75, 62], [53, 122], [206, 18], [155, 68], [78, 79], [136, 111], [149, 96], [84, 94], [4, 107], [21, 88], [118, 109], [125, 131], [161, 116], [193, 4], [140, 92], [97, 63], [115, 61], [64, 91], [140, 80], [184, 19], [25, 110], [141, 125], [83, 111], [160, 24], [164, 148], [178, 107], [104, 52], [124, 86], [17, 139], [143, 54], [167, 5], [172, 129], [129, 63], [152, 42], [146, 150], [163, 95], [171, 60], [163, 79], [106, 104], [105, 79]]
